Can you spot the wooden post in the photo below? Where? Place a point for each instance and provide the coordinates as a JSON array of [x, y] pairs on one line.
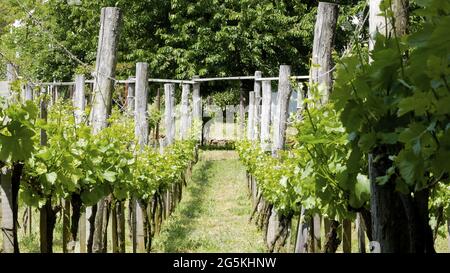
[[324, 32], [28, 92], [79, 100], [105, 68], [257, 90], [141, 115], [158, 107], [448, 233], [284, 93], [317, 219], [114, 238], [347, 236], [43, 213], [251, 116], [66, 224], [390, 230], [169, 89], [82, 228], [28, 96], [141, 132], [30, 219], [197, 104], [9, 202], [241, 111], [8, 226], [11, 74], [185, 111], [130, 97], [79, 103], [251, 135], [132, 205], [120, 213], [282, 114], [56, 94], [377, 23], [265, 115], [301, 243], [360, 228]]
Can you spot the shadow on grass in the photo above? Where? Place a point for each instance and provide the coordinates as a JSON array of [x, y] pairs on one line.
[[176, 237]]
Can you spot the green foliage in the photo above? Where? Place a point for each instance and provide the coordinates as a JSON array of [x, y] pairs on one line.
[[155, 172], [314, 173], [75, 161], [401, 103], [17, 129]]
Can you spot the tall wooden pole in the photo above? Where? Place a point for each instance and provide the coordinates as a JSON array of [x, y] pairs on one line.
[[321, 74], [105, 69], [282, 114], [361, 235], [324, 32], [130, 98], [141, 132], [241, 111], [43, 221], [169, 90], [390, 230], [9, 202], [266, 114], [251, 117], [347, 236], [185, 111], [257, 89], [197, 105], [301, 243], [79, 103]]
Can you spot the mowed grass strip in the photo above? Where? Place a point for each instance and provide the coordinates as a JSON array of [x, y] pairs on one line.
[[213, 215]]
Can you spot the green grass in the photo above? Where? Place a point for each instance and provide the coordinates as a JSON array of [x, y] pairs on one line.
[[213, 215]]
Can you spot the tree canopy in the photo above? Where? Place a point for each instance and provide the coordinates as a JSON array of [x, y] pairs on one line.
[[54, 39]]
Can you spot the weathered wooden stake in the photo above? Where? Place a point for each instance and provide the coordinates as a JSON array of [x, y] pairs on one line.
[[251, 117], [324, 32], [28, 92], [141, 132], [105, 68], [9, 202], [130, 98], [360, 229], [196, 104], [185, 111], [257, 90], [448, 233], [169, 89], [8, 226], [79, 100], [66, 224], [241, 111], [158, 107], [43, 221], [317, 219], [301, 243], [79, 103], [347, 236], [282, 114], [265, 115]]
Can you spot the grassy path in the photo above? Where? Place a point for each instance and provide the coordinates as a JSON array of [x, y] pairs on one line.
[[213, 215]]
